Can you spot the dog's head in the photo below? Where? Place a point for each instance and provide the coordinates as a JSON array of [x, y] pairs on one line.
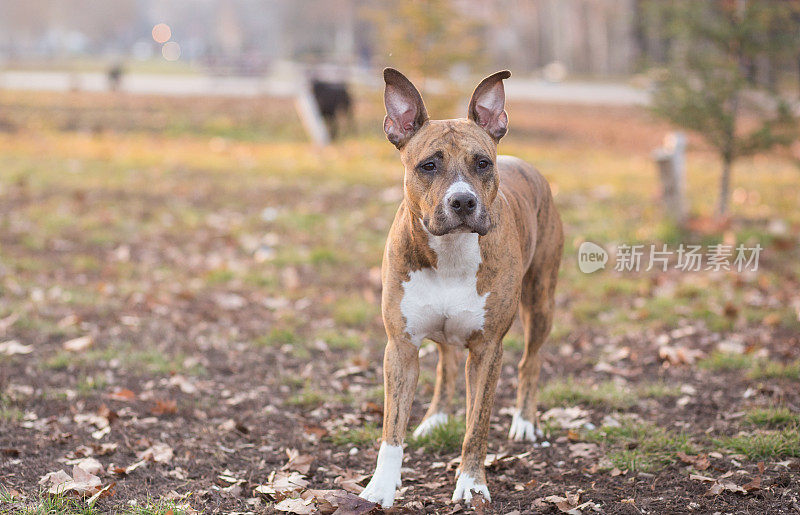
[[450, 178]]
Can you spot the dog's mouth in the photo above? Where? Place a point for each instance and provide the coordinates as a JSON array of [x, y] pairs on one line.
[[479, 227]]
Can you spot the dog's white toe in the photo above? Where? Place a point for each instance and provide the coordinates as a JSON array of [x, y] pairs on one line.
[[386, 479], [380, 490], [524, 430], [427, 425], [465, 486]]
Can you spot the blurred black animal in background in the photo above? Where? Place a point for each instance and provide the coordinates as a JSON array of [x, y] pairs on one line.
[[335, 104], [114, 74]]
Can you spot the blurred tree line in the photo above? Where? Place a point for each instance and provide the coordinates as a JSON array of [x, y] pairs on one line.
[[723, 77]]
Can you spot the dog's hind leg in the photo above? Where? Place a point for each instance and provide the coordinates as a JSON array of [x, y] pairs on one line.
[[536, 311], [442, 401]]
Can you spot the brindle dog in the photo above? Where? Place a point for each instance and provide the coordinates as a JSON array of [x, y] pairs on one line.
[[476, 238]]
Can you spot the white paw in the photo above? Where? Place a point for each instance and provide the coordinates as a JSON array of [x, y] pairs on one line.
[[386, 479], [465, 485], [522, 429], [427, 425]]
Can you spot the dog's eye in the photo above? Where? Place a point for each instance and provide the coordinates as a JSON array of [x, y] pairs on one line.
[[429, 167], [483, 164]]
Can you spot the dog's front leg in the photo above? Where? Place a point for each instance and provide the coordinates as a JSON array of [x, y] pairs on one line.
[[400, 373], [483, 370]]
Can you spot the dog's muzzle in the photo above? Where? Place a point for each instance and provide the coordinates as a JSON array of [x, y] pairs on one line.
[[459, 212], [462, 204]]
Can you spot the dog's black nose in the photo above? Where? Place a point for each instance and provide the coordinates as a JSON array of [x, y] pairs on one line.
[[463, 203]]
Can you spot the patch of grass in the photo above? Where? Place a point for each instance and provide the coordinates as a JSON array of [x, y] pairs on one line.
[[61, 360], [443, 439], [568, 391], [9, 412], [277, 337], [55, 505], [764, 444], [726, 361], [776, 370], [219, 276], [640, 446], [341, 341], [5, 496], [325, 255], [152, 360], [658, 390], [353, 311], [308, 397], [375, 393], [303, 222], [156, 362], [261, 279], [773, 417], [757, 368], [89, 384], [358, 436], [661, 310], [158, 508]]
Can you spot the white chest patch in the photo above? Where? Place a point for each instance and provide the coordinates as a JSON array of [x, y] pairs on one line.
[[442, 303]]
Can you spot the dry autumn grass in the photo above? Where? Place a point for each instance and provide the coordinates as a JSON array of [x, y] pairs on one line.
[[215, 281]]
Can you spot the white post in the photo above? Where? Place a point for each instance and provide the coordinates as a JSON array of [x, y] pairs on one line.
[[308, 110], [671, 162]]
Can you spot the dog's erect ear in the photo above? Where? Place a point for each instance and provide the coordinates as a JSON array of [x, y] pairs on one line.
[[487, 107], [405, 111]]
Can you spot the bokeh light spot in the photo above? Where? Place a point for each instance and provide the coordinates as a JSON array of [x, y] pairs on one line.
[[161, 33], [171, 51]]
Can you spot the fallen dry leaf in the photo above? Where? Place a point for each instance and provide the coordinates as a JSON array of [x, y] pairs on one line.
[[81, 483], [296, 505], [583, 450], [345, 503], [107, 491], [721, 486], [89, 464], [78, 344], [699, 462], [114, 469], [753, 485], [164, 407], [298, 462], [122, 395], [677, 355], [105, 448], [159, 453], [265, 490], [568, 418], [350, 481], [12, 347], [54, 479], [8, 321], [185, 385], [288, 482]]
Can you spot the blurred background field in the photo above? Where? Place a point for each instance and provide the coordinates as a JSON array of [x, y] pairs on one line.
[[220, 274]]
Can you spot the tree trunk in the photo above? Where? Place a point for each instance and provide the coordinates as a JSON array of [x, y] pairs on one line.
[[724, 188]]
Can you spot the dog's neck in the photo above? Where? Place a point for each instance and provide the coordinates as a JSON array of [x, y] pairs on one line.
[[444, 253]]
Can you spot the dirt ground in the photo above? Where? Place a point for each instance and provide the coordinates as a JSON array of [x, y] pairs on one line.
[[198, 311]]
